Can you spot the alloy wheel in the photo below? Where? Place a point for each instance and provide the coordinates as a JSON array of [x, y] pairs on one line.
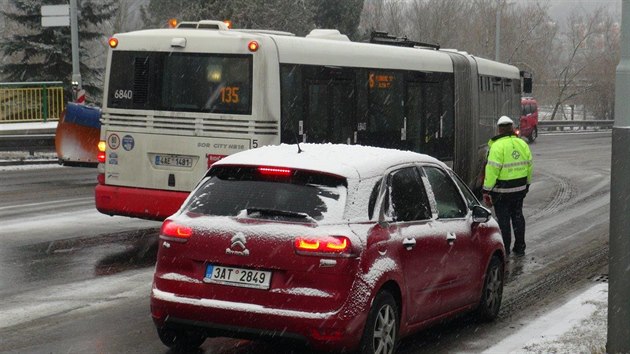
[[385, 330]]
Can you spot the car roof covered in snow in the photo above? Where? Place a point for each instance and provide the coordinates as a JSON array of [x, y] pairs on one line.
[[349, 161]]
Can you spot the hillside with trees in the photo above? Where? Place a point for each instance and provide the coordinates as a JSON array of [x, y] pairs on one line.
[[573, 60]]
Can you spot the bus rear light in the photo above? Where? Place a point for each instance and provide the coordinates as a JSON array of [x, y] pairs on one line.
[[175, 232], [274, 171], [253, 46], [100, 156], [113, 42], [327, 245]]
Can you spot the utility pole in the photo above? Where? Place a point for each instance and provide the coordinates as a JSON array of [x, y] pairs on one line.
[[497, 32], [619, 234], [74, 36]]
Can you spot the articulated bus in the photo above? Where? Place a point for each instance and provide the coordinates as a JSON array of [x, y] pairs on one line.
[[176, 100]]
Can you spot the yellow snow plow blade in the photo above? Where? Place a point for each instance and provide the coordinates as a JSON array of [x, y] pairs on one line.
[[77, 135]]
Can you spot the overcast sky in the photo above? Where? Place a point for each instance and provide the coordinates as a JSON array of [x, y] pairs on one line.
[[561, 8]]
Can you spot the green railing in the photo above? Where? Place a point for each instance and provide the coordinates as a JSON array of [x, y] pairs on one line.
[[31, 101]]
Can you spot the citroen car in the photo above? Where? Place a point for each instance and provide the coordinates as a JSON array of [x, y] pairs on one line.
[[342, 247]]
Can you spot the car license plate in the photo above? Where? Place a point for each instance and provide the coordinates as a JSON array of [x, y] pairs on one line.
[[173, 160], [248, 278]]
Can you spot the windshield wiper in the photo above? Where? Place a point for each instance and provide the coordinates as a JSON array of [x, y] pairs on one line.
[[276, 212]]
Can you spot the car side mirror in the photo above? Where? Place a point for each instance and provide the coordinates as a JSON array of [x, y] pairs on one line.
[[480, 214]]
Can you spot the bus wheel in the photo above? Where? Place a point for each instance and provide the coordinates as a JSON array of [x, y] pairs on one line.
[[533, 135], [381, 327]]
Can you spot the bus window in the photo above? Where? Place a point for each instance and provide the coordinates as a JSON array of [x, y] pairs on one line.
[[291, 102], [329, 111], [318, 104], [429, 117], [385, 110], [181, 82]]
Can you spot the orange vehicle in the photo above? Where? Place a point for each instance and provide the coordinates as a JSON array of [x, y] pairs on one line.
[[528, 123], [77, 135]]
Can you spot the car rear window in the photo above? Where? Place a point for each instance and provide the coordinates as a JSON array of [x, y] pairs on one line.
[[230, 191]]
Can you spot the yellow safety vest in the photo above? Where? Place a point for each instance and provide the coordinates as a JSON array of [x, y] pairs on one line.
[[509, 167]]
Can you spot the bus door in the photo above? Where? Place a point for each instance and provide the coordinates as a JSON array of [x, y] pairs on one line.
[[328, 112], [429, 119], [386, 121]]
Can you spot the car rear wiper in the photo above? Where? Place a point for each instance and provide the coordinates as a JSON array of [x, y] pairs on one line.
[[276, 212]]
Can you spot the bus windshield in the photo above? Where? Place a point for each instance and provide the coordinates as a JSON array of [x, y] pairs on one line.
[[192, 82]]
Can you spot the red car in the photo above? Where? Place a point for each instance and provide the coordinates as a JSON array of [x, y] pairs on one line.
[[528, 123], [343, 247]]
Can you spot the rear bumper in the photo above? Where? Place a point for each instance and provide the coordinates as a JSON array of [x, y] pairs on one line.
[[322, 331], [141, 203]]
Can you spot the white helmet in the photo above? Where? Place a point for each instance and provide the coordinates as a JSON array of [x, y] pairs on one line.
[[504, 120]]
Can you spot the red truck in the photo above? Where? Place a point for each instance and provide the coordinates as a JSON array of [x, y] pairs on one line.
[[528, 123]]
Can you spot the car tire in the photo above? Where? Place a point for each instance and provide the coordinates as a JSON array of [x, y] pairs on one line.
[[381, 328], [492, 293], [532, 137], [181, 341]]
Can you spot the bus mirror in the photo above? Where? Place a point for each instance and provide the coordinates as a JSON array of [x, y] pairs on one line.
[[527, 85], [527, 82]]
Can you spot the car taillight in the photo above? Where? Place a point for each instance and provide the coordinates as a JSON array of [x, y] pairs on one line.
[[174, 232], [327, 245]]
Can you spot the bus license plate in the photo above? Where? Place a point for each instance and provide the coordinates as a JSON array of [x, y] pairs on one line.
[[248, 278], [173, 160]]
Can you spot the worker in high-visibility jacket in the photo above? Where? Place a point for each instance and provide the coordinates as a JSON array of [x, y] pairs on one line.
[[506, 182]]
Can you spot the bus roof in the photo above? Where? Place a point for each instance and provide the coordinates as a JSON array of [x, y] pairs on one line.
[[493, 68], [317, 50]]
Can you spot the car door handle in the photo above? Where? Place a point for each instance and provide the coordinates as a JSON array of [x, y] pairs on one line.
[[409, 243], [451, 237]]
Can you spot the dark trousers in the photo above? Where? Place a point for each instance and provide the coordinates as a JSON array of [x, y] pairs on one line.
[[509, 211]]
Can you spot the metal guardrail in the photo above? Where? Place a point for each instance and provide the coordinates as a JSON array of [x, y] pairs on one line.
[[552, 124], [30, 143], [21, 138]]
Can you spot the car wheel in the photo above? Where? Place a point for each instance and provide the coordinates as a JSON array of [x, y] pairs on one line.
[[381, 327], [492, 291], [533, 135], [181, 341]]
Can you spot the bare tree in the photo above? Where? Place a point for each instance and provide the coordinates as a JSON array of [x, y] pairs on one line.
[[383, 15], [577, 41], [605, 50], [439, 21]]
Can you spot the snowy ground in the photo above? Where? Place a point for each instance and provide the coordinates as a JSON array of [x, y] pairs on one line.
[[578, 326]]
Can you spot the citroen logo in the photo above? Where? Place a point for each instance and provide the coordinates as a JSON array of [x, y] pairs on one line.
[[238, 246]]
